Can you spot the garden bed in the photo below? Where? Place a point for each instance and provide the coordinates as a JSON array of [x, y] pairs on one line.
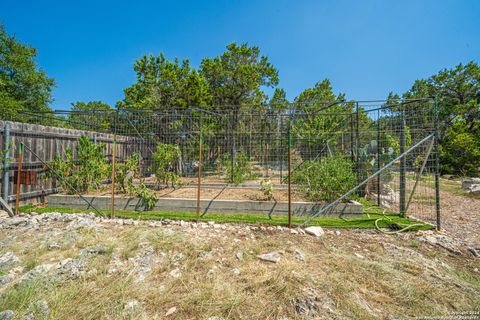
[[210, 205]]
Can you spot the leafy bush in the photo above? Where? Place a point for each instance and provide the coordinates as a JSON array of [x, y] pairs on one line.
[[147, 197], [325, 180], [266, 187], [240, 171], [166, 157], [126, 172], [84, 173]]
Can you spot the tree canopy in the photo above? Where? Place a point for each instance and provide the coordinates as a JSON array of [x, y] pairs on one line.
[[23, 86], [458, 94], [237, 76], [163, 85]]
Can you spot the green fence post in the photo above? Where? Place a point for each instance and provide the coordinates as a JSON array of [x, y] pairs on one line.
[[403, 163], [289, 176], [437, 163]]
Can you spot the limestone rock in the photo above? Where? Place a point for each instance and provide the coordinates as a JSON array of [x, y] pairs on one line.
[[442, 241], [171, 311], [468, 183], [6, 315], [299, 255], [270, 257], [39, 310], [315, 231], [8, 260]]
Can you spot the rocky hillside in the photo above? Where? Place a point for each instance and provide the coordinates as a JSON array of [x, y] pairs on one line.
[[55, 266]]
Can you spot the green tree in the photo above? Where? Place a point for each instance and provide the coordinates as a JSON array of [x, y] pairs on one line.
[[164, 85], [322, 118], [458, 93], [279, 101], [92, 115], [237, 76], [236, 79], [23, 86]]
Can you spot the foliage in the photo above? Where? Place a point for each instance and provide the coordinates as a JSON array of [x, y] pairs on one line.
[[147, 197], [166, 157], [326, 179], [163, 85], [457, 90], [126, 172], [320, 132], [461, 153], [266, 187], [240, 170], [84, 172], [93, 115], [236, 77], [23, 86], [279, 100]]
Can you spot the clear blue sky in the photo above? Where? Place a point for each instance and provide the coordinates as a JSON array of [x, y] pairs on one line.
[[366, 48]]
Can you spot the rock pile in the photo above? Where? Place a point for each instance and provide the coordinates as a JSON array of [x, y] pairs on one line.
[[472, 185]]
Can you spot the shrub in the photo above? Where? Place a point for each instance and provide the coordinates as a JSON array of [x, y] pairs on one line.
[[126, 172], [147, 197], [325, 180], [84, 173], [240, 171], [266, 187], [166, 157]]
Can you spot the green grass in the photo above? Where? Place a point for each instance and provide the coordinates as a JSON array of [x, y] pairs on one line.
[[364, 221]]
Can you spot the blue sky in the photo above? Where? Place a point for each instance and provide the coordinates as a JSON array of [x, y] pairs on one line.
[[366, 48]]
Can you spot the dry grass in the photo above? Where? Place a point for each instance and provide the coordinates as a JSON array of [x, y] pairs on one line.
[[363, 278]]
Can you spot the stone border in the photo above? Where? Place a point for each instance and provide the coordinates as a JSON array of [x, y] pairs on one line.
[[207, 206]]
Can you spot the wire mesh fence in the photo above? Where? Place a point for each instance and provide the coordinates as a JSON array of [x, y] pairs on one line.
[[316, 158]]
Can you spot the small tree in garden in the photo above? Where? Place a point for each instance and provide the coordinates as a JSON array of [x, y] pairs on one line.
[[166, 157], [325, 180], [239, 171], [266, 186], [86, 171], [126, 172]]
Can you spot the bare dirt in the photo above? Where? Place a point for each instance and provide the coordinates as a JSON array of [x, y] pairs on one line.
[[219, 193], [461, 217]]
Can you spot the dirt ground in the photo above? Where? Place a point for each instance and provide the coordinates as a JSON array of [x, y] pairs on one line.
[[460, 215], [83, 267], [221, 193]]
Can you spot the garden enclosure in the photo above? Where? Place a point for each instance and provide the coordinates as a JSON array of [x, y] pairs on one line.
[[303, 160]]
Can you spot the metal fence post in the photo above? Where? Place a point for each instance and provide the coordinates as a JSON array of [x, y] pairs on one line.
[[6, 155], [281, 150], [403, 163], [357, 145], [437, 164], [199, 182], [289, 176], [379, 181]]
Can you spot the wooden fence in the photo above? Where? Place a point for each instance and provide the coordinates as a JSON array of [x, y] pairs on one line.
[[46, 142]]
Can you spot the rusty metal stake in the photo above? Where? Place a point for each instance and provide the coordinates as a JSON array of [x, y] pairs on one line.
[[114, 153]]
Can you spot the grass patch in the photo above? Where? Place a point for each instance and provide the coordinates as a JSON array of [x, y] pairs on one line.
[[364, 221]]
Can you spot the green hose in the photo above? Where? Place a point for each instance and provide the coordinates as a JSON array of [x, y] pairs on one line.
[[405, 226]]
